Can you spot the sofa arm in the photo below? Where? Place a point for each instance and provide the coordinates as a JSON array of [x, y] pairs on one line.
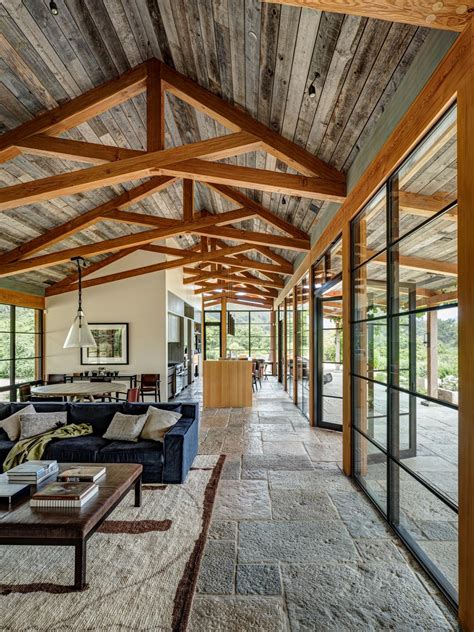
[[180, 446]]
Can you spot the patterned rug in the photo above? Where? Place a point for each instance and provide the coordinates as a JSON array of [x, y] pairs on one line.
[[141, 566]]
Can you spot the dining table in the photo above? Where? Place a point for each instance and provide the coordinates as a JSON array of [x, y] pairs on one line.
[[79, 391]]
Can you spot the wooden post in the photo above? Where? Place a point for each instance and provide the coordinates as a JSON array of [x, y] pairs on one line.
[[188, 200], [295, 350], [312, 364], [155, 107], [273, 335], [465, 149], [224, 328], [432, 332], [285, 346], [346, 352]]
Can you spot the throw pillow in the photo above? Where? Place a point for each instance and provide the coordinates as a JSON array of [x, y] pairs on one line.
[[39, 423], [11, 424], [125, 427], [158, 422]]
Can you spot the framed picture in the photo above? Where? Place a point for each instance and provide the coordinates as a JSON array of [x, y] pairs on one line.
[[112, 344]]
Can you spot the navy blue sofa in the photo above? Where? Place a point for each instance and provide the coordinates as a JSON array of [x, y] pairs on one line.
[[166, 462]]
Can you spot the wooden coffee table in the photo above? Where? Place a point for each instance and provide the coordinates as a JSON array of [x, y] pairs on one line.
[[71, 527]]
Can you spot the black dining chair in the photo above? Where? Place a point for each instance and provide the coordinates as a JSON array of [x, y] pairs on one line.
[[150, 385], [56, 378]]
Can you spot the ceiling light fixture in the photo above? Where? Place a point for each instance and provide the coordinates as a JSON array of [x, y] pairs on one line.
[[79, 334], [53, 7], [312, 87]]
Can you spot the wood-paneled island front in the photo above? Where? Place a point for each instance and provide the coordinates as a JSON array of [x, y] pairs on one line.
[[227, 383]]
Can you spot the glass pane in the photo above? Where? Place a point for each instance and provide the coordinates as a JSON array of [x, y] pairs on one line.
[[5, 396], [213, 343], [289, 345], [370, 349], [212, 317], [430, 523], [25, 371], [370, 409], [428, 353], [5, 352], [5, 324], [4, 374], [25, 320], [319, 274], [26, 346], [370, 229], [334, 261], [371, 469], [370, 289], [332, 410], [260, 318], [427, 265], [426, 182], [429, 441]]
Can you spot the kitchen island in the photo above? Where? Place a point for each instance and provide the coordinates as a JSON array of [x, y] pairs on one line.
[[227, 383]]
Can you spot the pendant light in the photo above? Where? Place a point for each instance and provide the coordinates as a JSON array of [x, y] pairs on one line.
[[79, 335]]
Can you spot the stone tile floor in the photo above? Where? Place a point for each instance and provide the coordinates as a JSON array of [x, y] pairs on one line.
[[293, 544]]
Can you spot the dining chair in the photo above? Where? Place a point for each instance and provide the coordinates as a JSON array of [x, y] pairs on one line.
[[24, 393], [150, 385], [56, 378], [133, 395]]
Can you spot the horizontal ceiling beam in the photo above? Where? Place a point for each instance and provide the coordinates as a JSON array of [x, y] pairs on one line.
[[234, 195], [236, 118], [76, 150], [451, 15], [101, 247], [204, 276], [291, 243], [260, 179], [74, 112], [423, 265], [121, 170]]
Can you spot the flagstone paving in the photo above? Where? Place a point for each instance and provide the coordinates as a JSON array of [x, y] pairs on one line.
[[293, 544]]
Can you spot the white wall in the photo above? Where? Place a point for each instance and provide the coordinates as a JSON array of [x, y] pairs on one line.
[[174, 281], [140, 301]]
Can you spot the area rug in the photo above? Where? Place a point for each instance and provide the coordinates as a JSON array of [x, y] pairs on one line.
[[142, 565]]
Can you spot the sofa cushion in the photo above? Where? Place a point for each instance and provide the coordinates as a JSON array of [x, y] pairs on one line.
[[140, 408], [98, 415], [33, 424], [5, 447], [12, 425], [144, 452], [125, 427], [81, 449], [158, 422]]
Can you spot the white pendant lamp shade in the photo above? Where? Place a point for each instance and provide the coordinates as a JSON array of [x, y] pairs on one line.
[[80, 334]]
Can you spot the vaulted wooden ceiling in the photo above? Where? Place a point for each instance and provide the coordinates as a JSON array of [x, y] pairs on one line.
[[260, 57]]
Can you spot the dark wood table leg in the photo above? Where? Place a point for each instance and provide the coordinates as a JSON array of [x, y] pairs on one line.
[[138, 492], [80, 565]]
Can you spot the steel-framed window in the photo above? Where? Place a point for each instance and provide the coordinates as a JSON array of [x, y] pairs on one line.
[[391, 392], [21, 349]]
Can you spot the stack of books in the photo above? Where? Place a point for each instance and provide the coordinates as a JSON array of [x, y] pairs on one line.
[[64, 495], [9, 492], [82, 474], [32, 472]]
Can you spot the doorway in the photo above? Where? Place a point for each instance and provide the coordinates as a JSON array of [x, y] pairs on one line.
[[328, 351]]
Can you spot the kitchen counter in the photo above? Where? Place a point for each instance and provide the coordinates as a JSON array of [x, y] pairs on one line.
[[227, 383]]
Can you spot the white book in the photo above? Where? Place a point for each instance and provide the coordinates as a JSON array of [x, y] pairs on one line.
[[64, 503]]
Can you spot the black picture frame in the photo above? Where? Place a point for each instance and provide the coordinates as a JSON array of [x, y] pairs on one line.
[[108, 352]]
